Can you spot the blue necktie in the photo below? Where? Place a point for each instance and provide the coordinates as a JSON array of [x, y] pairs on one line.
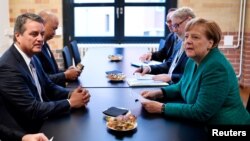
[[34, 75]]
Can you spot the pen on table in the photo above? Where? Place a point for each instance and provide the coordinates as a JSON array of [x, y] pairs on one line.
[[51, 139]]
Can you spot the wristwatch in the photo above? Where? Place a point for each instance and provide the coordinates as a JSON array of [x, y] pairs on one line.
[[163, 108]]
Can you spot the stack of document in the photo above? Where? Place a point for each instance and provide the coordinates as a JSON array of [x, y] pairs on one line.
[[144, 80], [139, 63]]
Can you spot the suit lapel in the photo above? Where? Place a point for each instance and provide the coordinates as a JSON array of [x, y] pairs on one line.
[[21, 63], [170, 49], [50, 57], [41, 77], [22, 66], [183, 56], [177, 46]]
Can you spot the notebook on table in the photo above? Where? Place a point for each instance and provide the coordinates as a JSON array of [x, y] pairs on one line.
[[134, 82]]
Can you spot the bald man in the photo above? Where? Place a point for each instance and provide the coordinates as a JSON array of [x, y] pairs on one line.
[[47, 58]]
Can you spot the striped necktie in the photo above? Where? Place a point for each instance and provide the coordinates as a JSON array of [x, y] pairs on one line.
[[34, 75]]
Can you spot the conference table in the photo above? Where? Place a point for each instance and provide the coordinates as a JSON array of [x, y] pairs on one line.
[[89, 124], [96, 64]]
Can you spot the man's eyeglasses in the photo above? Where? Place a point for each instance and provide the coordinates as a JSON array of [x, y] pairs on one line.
[[177, 25]]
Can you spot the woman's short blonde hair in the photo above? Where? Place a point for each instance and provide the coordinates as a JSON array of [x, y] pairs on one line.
[[211, 28]]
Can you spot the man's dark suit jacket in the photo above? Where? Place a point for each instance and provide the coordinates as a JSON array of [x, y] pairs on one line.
[[20, 96], [10, 134], [50, 66], [9, 129], [166, 52], [164, 67]]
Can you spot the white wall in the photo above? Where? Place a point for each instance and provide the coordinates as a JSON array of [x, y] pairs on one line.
[[5, 26]]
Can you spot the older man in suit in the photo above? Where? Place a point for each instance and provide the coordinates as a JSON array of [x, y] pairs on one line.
[[172, 70], [28, 94], [46, 56]]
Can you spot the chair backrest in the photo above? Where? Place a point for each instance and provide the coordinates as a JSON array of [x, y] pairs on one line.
[[161, 44], [75, 52], [248, 104], [67, 57]]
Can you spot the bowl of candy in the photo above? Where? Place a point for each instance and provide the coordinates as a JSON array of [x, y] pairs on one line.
[[116, 57], [122, 123], [116, 77]]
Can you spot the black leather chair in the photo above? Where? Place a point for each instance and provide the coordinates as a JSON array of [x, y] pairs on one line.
[[248, 104], [75, 52], [67, 57]]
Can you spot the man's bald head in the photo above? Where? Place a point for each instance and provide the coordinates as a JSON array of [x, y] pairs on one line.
[[50, 22]]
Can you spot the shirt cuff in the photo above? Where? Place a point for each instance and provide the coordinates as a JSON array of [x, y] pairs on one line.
[[69, 102], [69, 95], [170, 75]]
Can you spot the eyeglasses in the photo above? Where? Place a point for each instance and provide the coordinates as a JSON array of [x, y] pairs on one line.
[[177, 25]]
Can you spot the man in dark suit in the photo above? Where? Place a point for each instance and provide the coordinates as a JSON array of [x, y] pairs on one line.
[[29, 95], [172, 70], [10, 131], [46, 56], [171, 40]]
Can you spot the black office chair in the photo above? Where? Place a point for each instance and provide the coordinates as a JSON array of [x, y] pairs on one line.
[[75, 52], [248, 104], [67, 57]]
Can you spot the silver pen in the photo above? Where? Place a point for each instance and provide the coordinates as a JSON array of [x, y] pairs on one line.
[[51, 139]]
